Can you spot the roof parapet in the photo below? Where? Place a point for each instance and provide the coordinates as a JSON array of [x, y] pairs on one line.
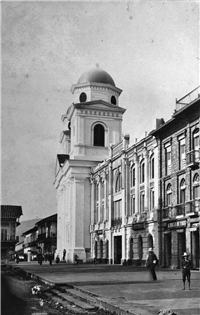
[[188, 98]]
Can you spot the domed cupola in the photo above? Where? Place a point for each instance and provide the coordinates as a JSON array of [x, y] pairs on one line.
[[96, 84], [96, 75]]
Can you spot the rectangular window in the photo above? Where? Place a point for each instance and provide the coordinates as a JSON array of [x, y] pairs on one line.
[[4, 234], [152, 201], [133, 178], [141, 202], [117, 209], [152, 168], [196, 147], [132, 205], [182, 154], [169, 199], [168, 160], [142, 173], [196, 192]]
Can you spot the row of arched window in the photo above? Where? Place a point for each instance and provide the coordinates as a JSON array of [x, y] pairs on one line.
[[142, 171], [182, 191]]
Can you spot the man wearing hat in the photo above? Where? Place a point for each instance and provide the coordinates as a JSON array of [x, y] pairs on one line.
[[186, 266], [152, 261]]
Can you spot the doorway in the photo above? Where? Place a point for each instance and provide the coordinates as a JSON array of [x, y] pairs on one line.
[[195, 249], [117, 249], [181, 247], [167, 250], [131, 249]]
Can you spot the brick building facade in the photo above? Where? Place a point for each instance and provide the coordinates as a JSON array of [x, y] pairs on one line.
[[179, 182]]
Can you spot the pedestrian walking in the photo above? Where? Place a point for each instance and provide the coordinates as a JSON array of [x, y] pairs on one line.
[[152, 262], [76, 259], [50, 258], [39, 258], [186, 267], [64, 254], [16, 257]]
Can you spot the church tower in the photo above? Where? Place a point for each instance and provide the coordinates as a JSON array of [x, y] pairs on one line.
[[91, 124]]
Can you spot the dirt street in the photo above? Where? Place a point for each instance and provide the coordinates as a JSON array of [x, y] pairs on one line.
[[17, 297]]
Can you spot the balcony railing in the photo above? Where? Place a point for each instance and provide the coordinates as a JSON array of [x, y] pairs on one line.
[[9, 238], [166, 212], [116, 222], [193, 158], [180, 209], [188, 98], [44, 236], [192, 206]]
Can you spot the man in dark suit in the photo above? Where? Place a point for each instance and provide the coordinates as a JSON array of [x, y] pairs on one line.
[[186, 267], [152, 261]]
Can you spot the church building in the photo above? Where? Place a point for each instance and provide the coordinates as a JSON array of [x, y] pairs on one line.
[[91, 124]]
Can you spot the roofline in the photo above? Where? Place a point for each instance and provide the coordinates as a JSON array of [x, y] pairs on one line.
[[47, 219], [115, 107], [82, 105], [96, 84], [174, 116]]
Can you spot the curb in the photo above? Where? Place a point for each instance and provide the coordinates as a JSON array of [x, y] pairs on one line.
[[100, 302]]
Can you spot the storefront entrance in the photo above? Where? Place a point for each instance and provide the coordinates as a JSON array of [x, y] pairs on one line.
[[195, 249], [117, 249], [181, 247], [167, 250]]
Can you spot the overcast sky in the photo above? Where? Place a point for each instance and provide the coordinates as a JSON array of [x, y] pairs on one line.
[[150, 48]]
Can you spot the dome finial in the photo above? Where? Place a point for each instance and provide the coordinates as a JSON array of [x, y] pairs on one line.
[[97, 65]]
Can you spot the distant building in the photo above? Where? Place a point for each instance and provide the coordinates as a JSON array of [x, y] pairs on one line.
[[30, 241], [9, 221], [47, 234]]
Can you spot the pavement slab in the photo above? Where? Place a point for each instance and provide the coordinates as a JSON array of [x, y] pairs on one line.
[[128, 288]]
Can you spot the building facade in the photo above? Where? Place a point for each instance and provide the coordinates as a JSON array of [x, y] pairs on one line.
[[47, 234], [124, 201], [115, 200], [9, 221], [179, 182], [30, 247]]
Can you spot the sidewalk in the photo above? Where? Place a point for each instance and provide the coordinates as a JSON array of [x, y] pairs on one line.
[[126, 287]]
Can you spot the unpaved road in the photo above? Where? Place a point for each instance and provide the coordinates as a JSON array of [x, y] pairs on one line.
[[17, 297]]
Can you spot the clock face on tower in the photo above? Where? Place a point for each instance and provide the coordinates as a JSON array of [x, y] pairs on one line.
[[83, 97]]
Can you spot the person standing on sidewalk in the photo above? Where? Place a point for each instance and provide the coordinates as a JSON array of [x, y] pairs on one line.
[[152, 262], [186, 267]]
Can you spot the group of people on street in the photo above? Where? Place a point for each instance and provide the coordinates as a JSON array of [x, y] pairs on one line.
[[186, 265], [47, 257], [151, 263]]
